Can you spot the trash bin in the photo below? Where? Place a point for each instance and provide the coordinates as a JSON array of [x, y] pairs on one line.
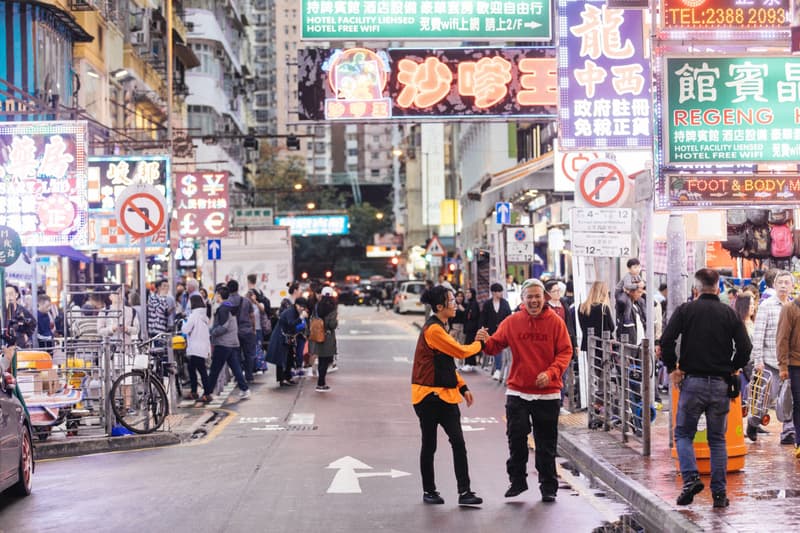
[[734, 438]]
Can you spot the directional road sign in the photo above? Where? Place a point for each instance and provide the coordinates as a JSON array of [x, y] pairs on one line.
[[10, 246], [503, 212], [214, 249], [141, 210]]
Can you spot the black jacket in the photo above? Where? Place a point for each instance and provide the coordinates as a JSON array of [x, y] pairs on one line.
[[599, 318], [627, 311], [473, 320], [489, 319], [708, 331]]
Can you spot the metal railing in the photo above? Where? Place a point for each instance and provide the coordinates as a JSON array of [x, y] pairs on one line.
[[620, 388]]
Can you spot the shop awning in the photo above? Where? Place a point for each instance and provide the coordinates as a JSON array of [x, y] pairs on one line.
[[79, 34], [63, 251], [506, 177], [186, 55]]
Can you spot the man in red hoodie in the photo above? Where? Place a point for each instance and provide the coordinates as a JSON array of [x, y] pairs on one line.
[[539, 340]]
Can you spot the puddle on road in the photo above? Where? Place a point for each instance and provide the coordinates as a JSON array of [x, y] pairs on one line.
[[625, 524], [773, 494]]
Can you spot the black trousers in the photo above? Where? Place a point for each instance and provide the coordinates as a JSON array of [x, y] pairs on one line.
[[197, 365], [542, 416], [322, 369], [433, 412]]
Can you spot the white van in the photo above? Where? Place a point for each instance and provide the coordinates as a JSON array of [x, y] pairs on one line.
[[407, 298]]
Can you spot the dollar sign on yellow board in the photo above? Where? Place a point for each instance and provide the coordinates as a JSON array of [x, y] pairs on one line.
[[189, 188]]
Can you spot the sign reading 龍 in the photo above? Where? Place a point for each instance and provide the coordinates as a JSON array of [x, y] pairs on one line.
[[202, 203], [362, 84], [43, 182], [731, 110], [604, 76]]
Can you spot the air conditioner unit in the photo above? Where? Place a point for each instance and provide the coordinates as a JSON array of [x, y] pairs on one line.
[[190, 27], [139, 38]]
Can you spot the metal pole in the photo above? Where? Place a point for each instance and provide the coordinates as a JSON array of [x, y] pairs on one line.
[[646, 392], [34, 297], [142, 289], [396, 177], [676, 263], [215, 274], [108, 412], [170, 83]]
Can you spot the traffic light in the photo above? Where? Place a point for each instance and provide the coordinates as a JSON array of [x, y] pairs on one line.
[[328, 274], [395, 261], [292, 142], [304, 275]]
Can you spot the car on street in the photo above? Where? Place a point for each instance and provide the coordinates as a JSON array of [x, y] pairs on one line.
[[350, 294], [407, 298], [16, 447]]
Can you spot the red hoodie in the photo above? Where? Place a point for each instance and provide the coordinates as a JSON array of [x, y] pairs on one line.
[[538, 344]]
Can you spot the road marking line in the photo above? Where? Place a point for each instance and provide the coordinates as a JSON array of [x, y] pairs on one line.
[[375, 337]]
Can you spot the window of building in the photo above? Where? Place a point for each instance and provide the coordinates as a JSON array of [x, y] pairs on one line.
[[375, 172], [376, 155], [352, 151]]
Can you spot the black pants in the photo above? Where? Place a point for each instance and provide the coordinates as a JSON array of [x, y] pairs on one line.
[[432, 412], [542, 416], [197, 365], [247, 345], [322, 369], [284, 372]]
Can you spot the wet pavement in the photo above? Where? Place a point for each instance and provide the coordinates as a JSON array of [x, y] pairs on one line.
[[765, 495]]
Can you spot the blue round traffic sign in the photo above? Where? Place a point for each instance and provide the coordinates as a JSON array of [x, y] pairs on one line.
[[520, 235], [10, 246]]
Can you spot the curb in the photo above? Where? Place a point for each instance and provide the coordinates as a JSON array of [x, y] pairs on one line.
[[657, 514], [186, 435], [59, 449]]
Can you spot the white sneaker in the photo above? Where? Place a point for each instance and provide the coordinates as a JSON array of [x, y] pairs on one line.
[[466, 368], [496, 375], [333, 368], [563, 412], [244, 394]]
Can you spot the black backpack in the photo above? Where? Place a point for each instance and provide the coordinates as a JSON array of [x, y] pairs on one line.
[[758, 242]]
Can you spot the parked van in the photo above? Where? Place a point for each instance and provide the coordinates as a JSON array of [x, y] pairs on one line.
[[408, 295]]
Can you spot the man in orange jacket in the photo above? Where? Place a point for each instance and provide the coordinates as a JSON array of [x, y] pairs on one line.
[[542, 350]]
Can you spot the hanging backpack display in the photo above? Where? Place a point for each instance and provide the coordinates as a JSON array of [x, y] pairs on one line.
[[758, 242], [736, 218], [780, 216], [758, 217], [736, 241], [781, 240]]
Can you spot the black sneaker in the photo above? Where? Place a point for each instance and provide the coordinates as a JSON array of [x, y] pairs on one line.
[[469, 498], [690, 488], [548, 497], [516, 488], [720, 500], [432, 498], [752, 432], [788, 439]]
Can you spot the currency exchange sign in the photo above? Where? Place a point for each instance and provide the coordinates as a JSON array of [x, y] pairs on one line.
[[731, 110], [604, 73], [202, 203], [425, 20]]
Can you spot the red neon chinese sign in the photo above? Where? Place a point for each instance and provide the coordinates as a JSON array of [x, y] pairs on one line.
[[455, 83]]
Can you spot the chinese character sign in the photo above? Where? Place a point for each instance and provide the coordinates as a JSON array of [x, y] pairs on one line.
[[512, 20], [449, 83], [604, 76], [731, 110], [304, 226], [202, 203], [109, 176], [43, 182]]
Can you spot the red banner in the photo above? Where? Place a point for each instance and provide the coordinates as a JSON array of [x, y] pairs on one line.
[[202, 203]]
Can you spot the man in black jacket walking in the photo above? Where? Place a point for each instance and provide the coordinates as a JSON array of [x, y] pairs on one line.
[[494, 311], [708, 330]]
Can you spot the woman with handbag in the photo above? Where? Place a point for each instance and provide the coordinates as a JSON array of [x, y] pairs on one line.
[[323, 343]]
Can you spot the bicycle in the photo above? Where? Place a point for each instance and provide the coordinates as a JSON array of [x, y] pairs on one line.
[[139, 398]]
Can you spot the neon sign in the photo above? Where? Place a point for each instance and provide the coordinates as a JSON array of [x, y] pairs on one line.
[[304, 226], [43, 182], [725, 14], [448, 83], [202, 203], [701, 190], [109, 176]]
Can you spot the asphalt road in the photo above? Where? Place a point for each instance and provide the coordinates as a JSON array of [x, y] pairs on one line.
[[296, 460]]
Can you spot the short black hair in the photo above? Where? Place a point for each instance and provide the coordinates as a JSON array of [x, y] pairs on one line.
[[496, 287], [293, 286], [233, 286], [633, 262], [662, 287], [223, 292], [302, 302], [252, 278], [196, 301], [161, 282], [438, 295], [16, 289], [707, 278]]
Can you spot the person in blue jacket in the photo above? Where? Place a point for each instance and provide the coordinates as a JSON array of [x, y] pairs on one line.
[[282, 343]]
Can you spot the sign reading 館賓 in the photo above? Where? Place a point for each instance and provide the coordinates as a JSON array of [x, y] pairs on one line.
[[731, 110], [604, 76], [425, 20], [43, 182], [363, 84], [703, 190], [202, 203], [725, 14]]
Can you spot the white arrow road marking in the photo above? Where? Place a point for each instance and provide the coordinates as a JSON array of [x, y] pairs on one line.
[[470, 428], [257, 419], [402, 359], [272, 427], [346, 479]]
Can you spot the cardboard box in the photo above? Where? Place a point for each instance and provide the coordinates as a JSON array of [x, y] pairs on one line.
[[27, 383], [49, 381]]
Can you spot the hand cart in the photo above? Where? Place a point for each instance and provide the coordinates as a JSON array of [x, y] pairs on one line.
[[757, 407]]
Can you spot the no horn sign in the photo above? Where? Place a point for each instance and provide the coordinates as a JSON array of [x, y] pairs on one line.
[[601, 183]]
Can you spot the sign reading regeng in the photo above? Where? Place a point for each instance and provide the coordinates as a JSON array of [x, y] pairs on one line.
[[517, 20], [731, 110]]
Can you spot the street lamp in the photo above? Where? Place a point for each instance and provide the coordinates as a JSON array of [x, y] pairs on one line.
[[379, 215], [298, 186], [310, 205]]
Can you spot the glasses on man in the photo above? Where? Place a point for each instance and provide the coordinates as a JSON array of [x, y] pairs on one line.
[[451, 301]]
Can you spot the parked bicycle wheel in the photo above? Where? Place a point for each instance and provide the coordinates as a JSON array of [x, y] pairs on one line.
[[139, 401]]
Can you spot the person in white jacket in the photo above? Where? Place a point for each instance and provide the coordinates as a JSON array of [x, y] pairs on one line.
[[120, 323], [198, 345]]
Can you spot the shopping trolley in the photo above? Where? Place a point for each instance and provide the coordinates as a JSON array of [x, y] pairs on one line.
[[757, 407]]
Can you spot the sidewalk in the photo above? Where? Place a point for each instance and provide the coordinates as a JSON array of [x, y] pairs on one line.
[[765, 495], [179, 426]]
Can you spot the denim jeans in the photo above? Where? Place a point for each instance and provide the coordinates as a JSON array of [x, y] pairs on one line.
[[542, 417], [432, 413], [247, 345], [703, 395], [502, 357], [794, 381], [219, 356]]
